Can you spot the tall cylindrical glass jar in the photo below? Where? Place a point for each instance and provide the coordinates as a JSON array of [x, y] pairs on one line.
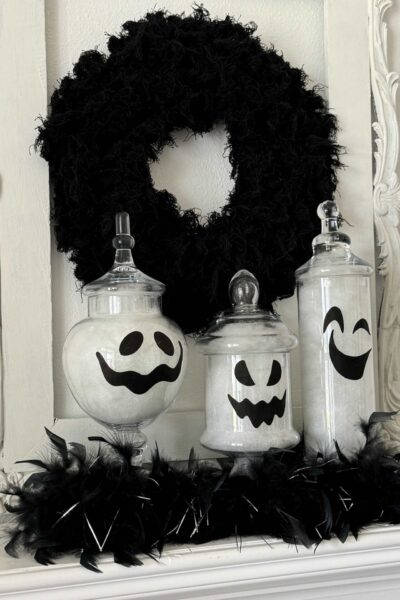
[[335, 338]]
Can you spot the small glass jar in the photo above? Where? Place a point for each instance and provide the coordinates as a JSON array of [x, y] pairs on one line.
[[124, 363], [248, 404], [336, 347]]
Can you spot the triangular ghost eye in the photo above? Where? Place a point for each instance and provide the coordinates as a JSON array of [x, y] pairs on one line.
[[242, 373], [164, 343], [131, 343], [276, 373]]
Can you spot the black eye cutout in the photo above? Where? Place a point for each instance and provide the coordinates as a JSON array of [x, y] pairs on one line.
[[164, 343], [362, 324], [333, 314], [276, 373], [242, 374], [131, 343]]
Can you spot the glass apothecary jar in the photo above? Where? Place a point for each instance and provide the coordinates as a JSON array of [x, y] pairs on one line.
[[124, 363], [248, 403], [336, 348]]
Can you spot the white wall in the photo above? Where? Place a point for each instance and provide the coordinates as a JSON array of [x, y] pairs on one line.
[[196, 171]]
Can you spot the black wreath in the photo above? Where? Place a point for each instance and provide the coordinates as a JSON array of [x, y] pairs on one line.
[[114, 115]]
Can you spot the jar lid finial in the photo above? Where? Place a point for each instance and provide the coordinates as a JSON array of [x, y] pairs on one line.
[[244, 290], [124, 277], [331, 222]]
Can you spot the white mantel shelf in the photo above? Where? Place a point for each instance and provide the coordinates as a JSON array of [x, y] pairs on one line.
[[365, 569]]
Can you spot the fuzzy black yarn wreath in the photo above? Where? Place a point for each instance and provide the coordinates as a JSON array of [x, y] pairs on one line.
[[116, 112], [92, 504]]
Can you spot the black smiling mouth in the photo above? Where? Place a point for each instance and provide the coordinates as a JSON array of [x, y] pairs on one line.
[[350, 367], [262, 412], [136, 382]]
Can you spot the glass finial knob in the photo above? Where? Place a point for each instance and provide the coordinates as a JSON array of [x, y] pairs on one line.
[[331, 222], [123, 243], [331, 217], [244, 289], [123, 239], [328, 210]]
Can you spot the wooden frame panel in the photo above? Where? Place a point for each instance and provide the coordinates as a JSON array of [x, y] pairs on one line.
[[24, 233], [24, 206]]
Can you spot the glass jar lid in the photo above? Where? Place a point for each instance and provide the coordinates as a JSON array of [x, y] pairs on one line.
[[332, 255], [124, 278], [246, 327]]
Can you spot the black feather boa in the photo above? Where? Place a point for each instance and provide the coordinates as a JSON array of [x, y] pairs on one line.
[[115, 113], [91, 504]]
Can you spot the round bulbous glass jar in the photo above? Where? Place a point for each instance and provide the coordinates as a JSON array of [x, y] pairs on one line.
[[248, 400], [124, 363]]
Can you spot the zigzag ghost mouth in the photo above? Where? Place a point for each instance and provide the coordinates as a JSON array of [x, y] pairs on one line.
[[136, 382], [261, 412]]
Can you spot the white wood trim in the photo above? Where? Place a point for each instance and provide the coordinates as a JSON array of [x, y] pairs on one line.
[[349, 97], [387, 211], [365, 569], [24, 232], [348, 81]]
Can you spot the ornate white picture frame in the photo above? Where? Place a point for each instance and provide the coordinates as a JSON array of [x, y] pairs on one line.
[[357, 69]]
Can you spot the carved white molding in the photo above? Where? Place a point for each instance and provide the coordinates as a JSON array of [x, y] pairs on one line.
[[365, 569], [386, 197]]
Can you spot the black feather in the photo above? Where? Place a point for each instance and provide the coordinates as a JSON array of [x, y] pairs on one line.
[[59, 444], [382, 417], [88, 561], [33, 461], [105, 501], [41, 556], [11, 546]]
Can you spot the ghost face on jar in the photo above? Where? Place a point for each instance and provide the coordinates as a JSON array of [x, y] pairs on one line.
[[259, 403], [247, 393], [127, 371], [349, 343]]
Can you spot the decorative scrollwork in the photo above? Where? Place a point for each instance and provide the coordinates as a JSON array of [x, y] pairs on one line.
[[386, 199]]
